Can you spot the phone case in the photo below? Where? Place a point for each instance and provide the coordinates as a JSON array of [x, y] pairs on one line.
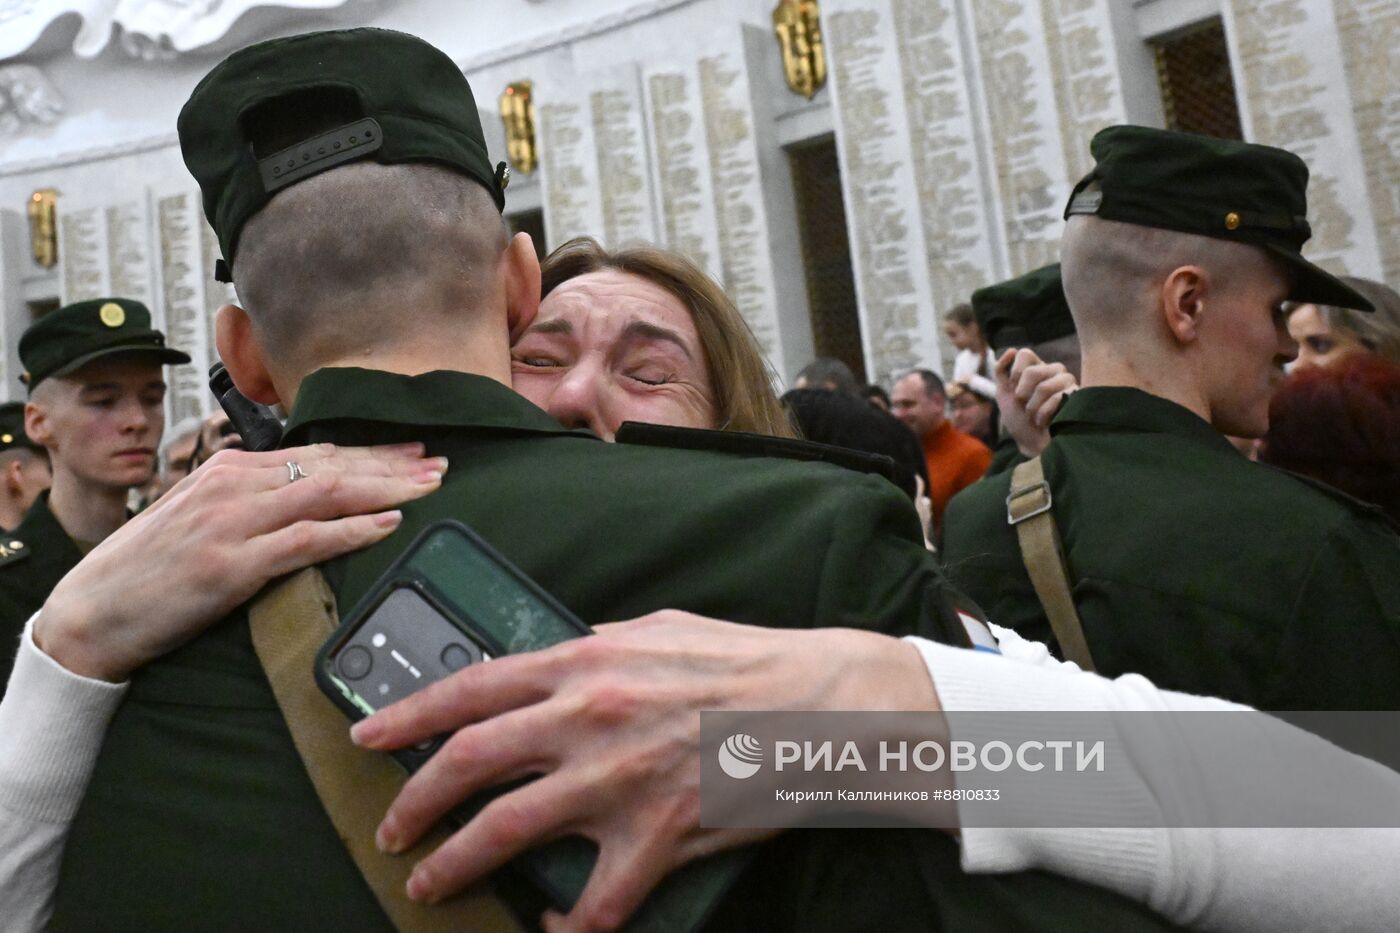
[[469, 583]]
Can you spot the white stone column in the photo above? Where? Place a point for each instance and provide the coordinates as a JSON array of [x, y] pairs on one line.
[[1369, 35], [182, 274]]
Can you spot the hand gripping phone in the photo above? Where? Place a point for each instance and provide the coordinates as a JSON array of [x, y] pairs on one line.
[[449, 601]]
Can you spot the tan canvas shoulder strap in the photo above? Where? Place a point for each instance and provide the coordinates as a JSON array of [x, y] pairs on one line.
[[290, 621], [1028, 509]]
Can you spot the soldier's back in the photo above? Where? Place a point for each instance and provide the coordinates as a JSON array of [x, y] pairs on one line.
[[1193, 566]]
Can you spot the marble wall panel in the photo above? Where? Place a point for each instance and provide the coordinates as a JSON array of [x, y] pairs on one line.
[[1088, 86], [741, 223], [182, 274], [594, 158], [82, 254], [1023, 126], [880, 187], [684, 180], [1287, 57], [1369, 35]]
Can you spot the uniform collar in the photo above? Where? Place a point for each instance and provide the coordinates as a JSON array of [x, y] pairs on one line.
[[1133, 409], [437, 399], [41, 525]]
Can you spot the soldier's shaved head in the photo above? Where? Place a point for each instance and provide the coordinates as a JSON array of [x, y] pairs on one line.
[[1113, 274], [319, 266]]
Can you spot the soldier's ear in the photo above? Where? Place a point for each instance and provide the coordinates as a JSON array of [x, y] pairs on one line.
[[243, 356], [520, 270], [36, 423], [1183, 297], [12, 483]]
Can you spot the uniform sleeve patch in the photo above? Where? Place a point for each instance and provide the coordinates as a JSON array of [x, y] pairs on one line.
[[979, 633]]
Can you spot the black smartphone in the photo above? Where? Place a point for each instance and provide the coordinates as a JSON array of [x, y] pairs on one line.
[[450, 601]]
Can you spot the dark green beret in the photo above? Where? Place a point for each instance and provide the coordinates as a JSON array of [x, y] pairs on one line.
[[281, 111], [1214, 187], [1024, 311], [12, 434], [75, 335]]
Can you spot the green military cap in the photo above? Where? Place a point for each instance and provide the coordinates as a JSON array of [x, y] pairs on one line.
[[281, 111], [12, 436], [1214, 187], [1024, 311], [75, 335]]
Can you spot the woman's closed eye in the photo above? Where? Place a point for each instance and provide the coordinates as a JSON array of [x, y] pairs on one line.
[[651, 375], [537, 362]]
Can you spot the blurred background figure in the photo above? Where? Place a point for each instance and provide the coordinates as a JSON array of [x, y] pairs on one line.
[[828, 373], [1327, 335], [955, 460], [24, 467], [973, 412], [1340, 424], [876, 396], [1029, 312], [842, 421], [975, 362]]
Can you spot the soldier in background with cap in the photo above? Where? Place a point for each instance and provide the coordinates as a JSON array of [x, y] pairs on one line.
[[24, 471], [96, 404], [1187, 563], [1026, 322]]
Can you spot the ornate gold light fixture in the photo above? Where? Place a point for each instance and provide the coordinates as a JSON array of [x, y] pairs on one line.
[[518, 116], [43, 226], [798, 26]]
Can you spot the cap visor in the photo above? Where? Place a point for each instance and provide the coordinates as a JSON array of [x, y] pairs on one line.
[[159, 354], [1315, 285]]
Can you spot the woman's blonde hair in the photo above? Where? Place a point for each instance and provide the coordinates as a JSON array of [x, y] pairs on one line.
[[742, 382], [1378, 331]]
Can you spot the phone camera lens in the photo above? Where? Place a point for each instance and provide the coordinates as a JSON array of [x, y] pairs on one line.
[[355, 662], [455, 657]]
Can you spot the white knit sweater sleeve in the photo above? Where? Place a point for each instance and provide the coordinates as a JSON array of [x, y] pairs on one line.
[[1210, 879], [51, 727]]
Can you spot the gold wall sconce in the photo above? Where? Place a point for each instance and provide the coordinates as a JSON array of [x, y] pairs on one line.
[[518, 115], [43, 226], [798, 26]]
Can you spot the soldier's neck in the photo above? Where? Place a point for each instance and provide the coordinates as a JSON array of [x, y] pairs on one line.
[[1147, 375], [87, 511], [487, 356], [10, 512]]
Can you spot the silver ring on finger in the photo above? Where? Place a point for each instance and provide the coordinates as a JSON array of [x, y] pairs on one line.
[[294, 471]]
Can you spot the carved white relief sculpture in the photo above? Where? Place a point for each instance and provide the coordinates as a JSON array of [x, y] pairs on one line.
[[148, 29], [27, 98]]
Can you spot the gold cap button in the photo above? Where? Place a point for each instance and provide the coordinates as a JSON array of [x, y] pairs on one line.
[[17, 545], [112, 314], [7, 438], [1232, 221]]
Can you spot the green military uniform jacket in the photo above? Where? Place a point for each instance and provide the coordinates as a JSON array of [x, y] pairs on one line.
[[36, 556], [200, 815], [1193, 566], [1006, 456]]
